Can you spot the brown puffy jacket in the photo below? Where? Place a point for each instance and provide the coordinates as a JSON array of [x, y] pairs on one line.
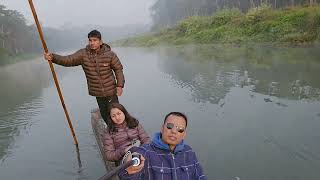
[[115, 143], [98, 67]]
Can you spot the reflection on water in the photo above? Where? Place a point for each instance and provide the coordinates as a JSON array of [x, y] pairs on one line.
[[258, 105], [21, 87], [13, 121], [254, 112], [210, 72]]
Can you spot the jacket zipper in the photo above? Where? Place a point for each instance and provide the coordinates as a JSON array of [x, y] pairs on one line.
[[174, 167], [98, 70]]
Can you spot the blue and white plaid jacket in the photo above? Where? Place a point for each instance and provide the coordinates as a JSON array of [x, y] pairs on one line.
[[162, 164]]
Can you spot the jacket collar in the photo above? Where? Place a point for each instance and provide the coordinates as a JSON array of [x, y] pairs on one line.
[[157, 141], [104, 48], [122, 125]]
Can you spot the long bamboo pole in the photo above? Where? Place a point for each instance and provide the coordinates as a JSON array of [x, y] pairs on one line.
[[52, 71]]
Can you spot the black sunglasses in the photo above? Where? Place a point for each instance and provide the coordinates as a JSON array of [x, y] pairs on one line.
[[179, 129]]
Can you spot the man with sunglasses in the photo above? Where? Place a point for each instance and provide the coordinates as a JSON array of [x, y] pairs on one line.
[[167, 157]]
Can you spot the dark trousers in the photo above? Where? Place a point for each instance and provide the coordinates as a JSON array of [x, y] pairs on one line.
[[103, 103]]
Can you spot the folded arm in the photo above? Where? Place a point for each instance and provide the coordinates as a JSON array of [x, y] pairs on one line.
[[110, 151]]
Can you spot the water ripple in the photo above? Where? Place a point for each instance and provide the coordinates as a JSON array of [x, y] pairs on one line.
[[12, 120]]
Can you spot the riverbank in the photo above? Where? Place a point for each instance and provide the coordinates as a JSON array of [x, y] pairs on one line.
[[6, 58], [290, 26]]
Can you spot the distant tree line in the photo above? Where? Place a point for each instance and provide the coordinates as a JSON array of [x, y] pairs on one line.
[[17, 37], [166, 13]]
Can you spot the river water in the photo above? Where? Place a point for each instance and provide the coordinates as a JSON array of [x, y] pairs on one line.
[[254, 111]]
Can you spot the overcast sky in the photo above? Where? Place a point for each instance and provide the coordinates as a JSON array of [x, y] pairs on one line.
[[55, 13]]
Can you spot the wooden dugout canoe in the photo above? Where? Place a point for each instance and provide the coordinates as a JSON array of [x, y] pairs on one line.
[[98, 127]]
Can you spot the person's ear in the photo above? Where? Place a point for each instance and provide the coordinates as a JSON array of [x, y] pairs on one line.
[[184, 134], [101, 42], [162, 129]]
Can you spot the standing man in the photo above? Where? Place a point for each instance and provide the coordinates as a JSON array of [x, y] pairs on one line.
[[167, 157], [102, 68]]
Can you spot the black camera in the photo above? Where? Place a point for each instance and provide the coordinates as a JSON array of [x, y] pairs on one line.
[[136, 158]]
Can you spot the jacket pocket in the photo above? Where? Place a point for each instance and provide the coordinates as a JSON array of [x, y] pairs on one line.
[[161, 172], [187, 172]]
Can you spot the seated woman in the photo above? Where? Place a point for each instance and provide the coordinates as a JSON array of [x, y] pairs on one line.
[[122, 132]]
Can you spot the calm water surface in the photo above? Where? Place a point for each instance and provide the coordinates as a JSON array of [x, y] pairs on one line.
[[254, 112]]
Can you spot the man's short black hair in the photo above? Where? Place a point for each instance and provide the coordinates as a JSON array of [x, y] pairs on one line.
[[94, 33], [179, 114]]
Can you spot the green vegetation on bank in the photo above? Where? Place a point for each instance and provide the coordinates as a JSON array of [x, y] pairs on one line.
[[7, 58], [263, 24]]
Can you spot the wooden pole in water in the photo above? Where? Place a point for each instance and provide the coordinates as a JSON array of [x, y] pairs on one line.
[[52, 70]]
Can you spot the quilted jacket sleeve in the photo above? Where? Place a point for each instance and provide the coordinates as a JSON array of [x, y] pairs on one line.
[[111, 152], [118, 70], [74, 59]]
